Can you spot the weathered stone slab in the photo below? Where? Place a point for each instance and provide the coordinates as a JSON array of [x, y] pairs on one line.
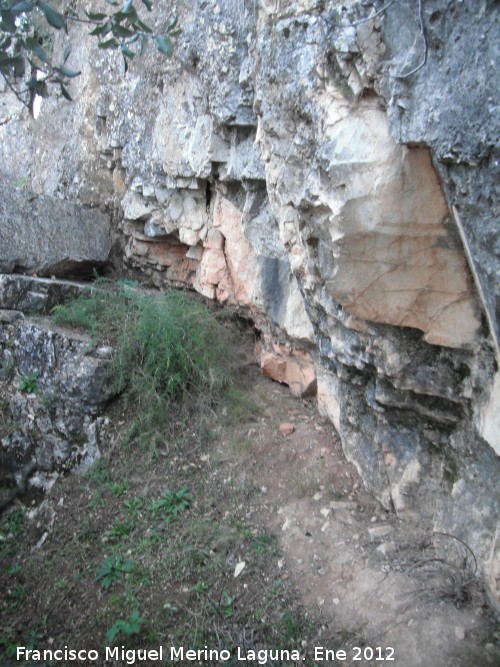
[[451, 107], [33, 295], [53, 393], [48, 236]]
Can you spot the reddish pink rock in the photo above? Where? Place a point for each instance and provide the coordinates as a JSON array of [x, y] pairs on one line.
[[287, 428], [292, 367]]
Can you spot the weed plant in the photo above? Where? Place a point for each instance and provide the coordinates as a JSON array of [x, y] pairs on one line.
[[126, 628], [171, 353], [112, 570], [29, 384], [172, 503]]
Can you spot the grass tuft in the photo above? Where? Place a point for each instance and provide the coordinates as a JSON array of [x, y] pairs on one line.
[[171, 352]]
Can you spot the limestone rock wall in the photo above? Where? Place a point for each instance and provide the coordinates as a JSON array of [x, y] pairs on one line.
[[285, 164], [54, 386]]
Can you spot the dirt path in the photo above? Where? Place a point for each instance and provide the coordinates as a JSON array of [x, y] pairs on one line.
[[99, 550], [390, 582]]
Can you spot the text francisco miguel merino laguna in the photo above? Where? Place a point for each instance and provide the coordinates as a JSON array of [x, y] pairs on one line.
[[174, 653]]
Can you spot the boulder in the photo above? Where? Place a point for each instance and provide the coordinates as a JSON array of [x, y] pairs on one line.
[[54, 391], [47, 236]]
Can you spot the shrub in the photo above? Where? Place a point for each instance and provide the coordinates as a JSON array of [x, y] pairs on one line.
[[170, 350]]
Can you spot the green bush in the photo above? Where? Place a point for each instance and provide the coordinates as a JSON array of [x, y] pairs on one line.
[[170, 350]]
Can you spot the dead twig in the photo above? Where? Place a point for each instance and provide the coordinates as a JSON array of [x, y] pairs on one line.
[[446, 577], [454, 537]]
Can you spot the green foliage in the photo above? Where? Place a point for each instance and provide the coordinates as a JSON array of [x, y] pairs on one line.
[[126, 628], [239, 406], [172, 503], [19, 593], [119, 531], [26, 28], [179, 346], [227, 604], [266, 544], [96, 500], [9, 643], [29, 383], [6, 368], [119, 488], [14, 523], [133, 506], [170, 349], [49, 402], [100, 472], [21, 182], [112, 570], [200, 587], [291, 628], [94, 312], [180, 575]]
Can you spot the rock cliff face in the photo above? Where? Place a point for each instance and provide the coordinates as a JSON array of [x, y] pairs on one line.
[[290, 162]]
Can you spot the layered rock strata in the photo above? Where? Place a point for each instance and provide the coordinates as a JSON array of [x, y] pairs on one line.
[[332, 176]]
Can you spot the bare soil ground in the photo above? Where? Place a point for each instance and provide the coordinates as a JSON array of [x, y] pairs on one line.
[[388, 582], [322, 565]]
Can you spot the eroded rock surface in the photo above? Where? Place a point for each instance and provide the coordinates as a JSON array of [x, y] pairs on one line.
[[289, 164], [54, 387], [47, 236]]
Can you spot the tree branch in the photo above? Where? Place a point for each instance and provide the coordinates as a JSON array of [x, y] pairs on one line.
[[18, 94]]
